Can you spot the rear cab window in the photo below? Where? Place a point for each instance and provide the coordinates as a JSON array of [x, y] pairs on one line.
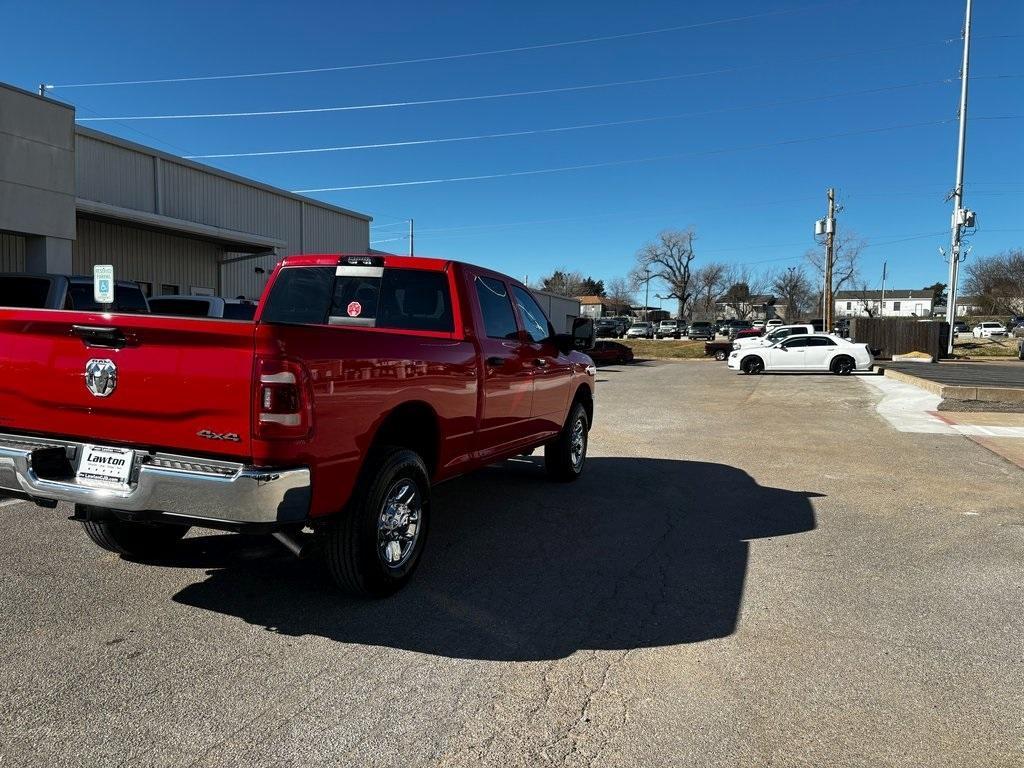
[[363, 293]]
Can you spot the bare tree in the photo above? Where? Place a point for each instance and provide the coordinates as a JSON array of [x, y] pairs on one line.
[[668, 259], [864, 297], [744, 287], [792, 288], [846, 260], [998, 281], [709, 282], [619, 291]]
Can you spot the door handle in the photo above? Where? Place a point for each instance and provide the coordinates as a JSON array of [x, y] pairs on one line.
[[540, 362], [496, 362]]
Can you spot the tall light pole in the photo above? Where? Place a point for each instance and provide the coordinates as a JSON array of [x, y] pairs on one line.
[[961, 217]]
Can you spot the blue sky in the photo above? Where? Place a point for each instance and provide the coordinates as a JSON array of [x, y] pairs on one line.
[[750, 202]]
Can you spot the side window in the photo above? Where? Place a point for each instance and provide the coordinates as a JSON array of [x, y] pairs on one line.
[[820, 341], [415, 300], [534, 320], [496, 309], [797, 342]]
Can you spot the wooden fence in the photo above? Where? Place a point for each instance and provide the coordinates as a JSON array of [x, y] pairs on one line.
[[898, 335]]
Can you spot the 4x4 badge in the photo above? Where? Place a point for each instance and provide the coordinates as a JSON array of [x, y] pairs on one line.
[[211, 435]]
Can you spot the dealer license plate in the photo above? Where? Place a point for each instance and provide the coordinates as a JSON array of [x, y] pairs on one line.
[[106, 465]]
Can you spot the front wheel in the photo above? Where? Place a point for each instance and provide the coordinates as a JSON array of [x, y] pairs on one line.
[[753, 366], [720, 355], [565, 456], [137, 541], [375, 544]]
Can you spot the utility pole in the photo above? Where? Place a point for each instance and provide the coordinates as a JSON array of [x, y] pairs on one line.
[[412, 238], [830, 257], [827, 227], [881, 308], [961, 217]]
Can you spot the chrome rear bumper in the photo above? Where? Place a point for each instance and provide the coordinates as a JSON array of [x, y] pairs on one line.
[[181, 486]]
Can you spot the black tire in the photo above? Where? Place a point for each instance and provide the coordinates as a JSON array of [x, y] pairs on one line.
[[354, 550], [753, 365], [721, 354], [564, 457], [843, 365], [138, 541]]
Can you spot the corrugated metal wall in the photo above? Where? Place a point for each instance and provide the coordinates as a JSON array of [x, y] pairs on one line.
[[112, 174], [118, 173], [139, 254], [12, 252]]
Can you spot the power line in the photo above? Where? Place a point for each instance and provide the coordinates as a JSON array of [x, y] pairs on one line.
[[448, 57], [579, 127], [506, 94], [630, 161]]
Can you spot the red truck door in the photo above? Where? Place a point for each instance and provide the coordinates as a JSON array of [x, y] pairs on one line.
[[552, 369], [507, 367]]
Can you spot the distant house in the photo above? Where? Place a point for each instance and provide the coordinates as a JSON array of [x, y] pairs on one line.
[[756, 307], [899, 302], [601, 306]]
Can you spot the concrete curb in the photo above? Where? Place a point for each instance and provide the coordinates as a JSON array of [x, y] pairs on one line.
[[1011, 395]]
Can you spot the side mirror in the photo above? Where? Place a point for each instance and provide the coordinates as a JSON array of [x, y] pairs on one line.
[[582, 333]]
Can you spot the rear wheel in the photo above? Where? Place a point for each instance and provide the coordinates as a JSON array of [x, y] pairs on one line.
[[753, 365], [565, 456], [720, 355], [375, 544], [843, 365], [142, 541]]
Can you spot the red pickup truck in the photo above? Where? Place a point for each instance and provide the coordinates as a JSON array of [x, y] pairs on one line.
[[362, 381]]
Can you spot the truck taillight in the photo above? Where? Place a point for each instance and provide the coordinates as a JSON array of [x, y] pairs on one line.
[[283, 403]]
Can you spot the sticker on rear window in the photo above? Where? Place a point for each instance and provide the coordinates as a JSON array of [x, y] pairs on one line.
[[355, 309]]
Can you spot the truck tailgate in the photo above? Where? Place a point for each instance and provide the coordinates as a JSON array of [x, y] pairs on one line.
[[182, 384]]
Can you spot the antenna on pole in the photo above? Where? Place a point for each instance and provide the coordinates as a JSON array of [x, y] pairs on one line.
[[412, 238]]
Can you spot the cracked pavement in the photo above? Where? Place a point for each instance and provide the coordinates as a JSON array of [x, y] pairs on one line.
[[753, 571]]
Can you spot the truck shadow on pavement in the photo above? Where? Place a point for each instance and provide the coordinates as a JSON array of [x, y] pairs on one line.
[[637, 553]]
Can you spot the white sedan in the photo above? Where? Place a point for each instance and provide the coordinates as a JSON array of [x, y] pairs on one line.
[[987, 330], [811, 352]]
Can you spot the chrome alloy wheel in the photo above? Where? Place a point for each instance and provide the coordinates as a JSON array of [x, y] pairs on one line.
[[398, 525], [578, 444]]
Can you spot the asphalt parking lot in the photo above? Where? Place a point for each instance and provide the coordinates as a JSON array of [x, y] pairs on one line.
[[753, 571]]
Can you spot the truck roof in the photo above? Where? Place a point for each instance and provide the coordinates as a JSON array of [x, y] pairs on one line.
[[331, 259]]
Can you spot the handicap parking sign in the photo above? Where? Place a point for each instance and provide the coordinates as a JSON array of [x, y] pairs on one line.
[[103, 283]]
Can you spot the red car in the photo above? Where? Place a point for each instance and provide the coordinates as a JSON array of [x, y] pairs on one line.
[[747, 333], [361, 382], [610, 353]]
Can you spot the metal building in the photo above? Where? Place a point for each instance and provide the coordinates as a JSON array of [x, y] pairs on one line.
[[72, 197]]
